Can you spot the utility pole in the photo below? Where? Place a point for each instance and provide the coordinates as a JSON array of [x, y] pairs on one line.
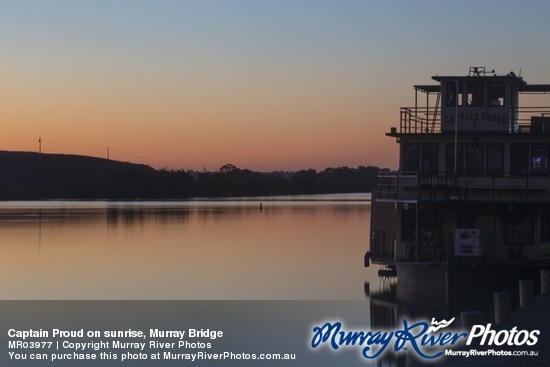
[[107, 153], [39, 144]]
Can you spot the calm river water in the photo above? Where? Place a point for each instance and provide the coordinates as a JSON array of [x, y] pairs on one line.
[[295, 248]]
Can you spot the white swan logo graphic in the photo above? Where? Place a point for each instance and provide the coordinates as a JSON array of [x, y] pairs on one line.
[[439, 325]]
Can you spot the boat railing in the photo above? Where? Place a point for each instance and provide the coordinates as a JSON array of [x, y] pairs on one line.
[[387, 187], [533, 120], [416, 120], [425, 249], [462, 187], [427, 120], [384, 251]]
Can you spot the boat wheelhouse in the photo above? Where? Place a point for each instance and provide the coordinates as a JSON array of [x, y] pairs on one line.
[[473, 184]]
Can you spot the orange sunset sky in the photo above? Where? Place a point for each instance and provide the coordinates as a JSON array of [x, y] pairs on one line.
[[265, 85]]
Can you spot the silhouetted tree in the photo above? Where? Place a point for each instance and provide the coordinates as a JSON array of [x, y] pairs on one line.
[[227, 168]]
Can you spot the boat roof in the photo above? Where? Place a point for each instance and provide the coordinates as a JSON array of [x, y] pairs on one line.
[[535, 88], [428, 88], [511, 77], [523, 86]]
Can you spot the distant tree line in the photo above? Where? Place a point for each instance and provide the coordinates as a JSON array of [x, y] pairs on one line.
[[53, 176], [232, 181]]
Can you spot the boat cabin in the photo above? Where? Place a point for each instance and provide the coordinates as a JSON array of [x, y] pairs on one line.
[[474, 174]]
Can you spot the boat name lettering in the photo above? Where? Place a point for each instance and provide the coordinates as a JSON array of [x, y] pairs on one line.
[[475, 117]]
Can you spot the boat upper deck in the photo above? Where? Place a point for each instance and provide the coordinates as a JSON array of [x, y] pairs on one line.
[[477, 103]]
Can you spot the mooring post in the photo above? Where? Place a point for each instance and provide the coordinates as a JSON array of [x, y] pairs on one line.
[[503, 307], [470, 318], [545, 281], [526, 293]]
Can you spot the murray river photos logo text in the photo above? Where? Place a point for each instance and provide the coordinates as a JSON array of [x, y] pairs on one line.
[[427, 340]]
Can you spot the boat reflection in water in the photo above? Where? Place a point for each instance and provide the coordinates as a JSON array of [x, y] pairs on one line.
[[394, 302]]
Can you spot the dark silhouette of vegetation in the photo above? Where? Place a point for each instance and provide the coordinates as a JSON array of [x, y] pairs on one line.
[[27, 176]]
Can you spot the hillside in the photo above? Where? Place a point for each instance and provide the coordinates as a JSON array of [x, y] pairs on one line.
[[26, 175]]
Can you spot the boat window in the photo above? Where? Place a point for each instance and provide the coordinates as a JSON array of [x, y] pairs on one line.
[[474, 158], [495, 94], [519, 159], [410, 158], [466, 217], [408, 223], [545, 227], [450, 91], [539, 159], [450, 158], [518, 226], [430, 158], [474, 92], [495, 158]]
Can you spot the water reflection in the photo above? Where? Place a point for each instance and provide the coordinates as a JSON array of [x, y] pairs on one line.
[[394, 302], [184, 250], [391, 303]]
